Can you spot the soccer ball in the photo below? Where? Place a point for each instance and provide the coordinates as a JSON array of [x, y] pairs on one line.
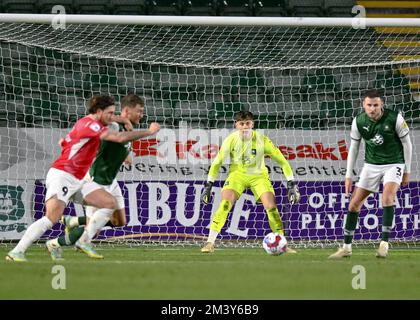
[[274, 244]]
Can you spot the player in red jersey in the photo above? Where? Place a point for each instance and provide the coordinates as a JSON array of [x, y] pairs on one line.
[[64, 180]]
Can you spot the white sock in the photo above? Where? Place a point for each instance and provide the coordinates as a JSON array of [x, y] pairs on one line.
[[96, 223], [212, 236], [33, 233], [347, 246]]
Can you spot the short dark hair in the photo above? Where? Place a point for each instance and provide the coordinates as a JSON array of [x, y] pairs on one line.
[[131, 100], [100, 102], [372, 94], [244, 115]]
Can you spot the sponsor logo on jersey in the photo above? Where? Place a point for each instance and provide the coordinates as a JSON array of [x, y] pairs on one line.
[[377, 139], [95, 127]]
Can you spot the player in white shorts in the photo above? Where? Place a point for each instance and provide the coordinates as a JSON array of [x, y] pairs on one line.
[[65, 178], [102, 173], [388, 152]]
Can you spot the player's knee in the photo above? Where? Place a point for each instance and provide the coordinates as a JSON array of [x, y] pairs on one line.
[[53, 217], [355, 206], [387, 201]]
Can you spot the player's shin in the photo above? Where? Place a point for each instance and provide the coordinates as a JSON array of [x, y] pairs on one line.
[[387, 218], [219, 219], [274, 220], [96, 223], [350, 226], [33, 233]]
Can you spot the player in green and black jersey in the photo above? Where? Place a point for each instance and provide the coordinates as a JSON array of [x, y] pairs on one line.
[[388, 152]]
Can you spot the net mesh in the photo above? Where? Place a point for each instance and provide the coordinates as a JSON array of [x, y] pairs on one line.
[[304, 86]]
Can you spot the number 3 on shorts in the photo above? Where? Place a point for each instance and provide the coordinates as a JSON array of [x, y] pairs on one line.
[[398, 172]]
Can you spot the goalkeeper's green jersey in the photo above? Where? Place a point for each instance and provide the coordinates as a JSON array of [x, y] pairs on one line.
[[247, 156], [109, 158]]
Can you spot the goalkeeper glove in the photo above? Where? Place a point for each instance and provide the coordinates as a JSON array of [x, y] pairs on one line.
[[206, 196], [293, 192]]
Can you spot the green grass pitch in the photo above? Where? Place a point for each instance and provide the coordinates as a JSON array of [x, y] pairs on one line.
[[185, 273]]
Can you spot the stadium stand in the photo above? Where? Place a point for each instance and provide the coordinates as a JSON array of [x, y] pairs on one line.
[[40, 83]]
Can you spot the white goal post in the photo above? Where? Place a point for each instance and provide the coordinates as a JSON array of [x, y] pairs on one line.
[[302, 78]]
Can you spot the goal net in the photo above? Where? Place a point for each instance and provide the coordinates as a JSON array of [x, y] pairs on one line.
[[303, 84]]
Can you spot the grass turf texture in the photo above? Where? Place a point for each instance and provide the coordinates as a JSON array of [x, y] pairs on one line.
[[185, 273]]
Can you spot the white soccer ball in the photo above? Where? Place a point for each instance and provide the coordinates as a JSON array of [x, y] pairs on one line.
[[274, 244]]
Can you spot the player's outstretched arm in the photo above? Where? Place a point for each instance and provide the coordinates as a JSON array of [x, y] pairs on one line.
[[122, 137], [274, 153]]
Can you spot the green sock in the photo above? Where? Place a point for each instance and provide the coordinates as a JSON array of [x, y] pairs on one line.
[[387, 218], [82, 221], [72, 237], [351, 223]]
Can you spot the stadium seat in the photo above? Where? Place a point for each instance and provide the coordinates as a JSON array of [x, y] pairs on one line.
[[164, 7], [128, 7], [19, 6], [342, 8], [162, 112], [305, 8], [306, 121], [46, 6], [235, 7], [392, 82], [196, 114], [102, 82], [72, 107], [226, 111], [341, 110], [270, 8], [322, 81], [12, 113], [43, 111], [269, 121], [92, 7], [200, 8], [3, 113]]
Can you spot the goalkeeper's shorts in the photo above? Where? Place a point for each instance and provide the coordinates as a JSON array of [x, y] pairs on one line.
[[238, 182]]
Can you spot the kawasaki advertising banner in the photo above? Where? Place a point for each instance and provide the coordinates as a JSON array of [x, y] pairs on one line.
[[163, 185]]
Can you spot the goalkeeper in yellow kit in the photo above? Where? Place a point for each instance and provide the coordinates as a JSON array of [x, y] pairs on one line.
[[247, 149]]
